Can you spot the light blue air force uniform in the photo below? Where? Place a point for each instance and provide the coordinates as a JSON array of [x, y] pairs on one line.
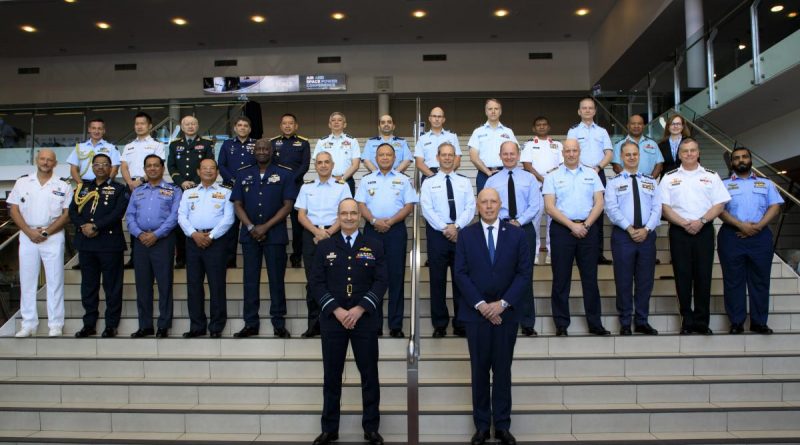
[[428, 146], [321, 200], [574, 190], [649, 154], [82, 156], [401, 150], [526, 188], [593, 140]]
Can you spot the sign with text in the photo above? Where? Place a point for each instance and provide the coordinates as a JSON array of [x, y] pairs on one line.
[[294, 83]]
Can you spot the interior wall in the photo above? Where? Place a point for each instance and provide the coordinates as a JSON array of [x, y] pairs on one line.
[[775, 140]]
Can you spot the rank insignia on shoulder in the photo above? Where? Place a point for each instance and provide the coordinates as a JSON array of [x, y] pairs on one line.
[[308, 181], [245, 166], [671, 172], [710, 171]]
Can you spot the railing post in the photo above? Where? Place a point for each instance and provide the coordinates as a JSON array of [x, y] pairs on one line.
[[676, 82], [650, 85], [754, 43], [712, 87], [412, 353]]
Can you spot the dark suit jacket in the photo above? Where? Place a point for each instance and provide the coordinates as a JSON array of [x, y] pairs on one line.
[[112, 201], [670, 163], [478, 280]]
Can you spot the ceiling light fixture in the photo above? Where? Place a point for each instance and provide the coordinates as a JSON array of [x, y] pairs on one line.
[[70, 1], [792, 14], [501, 13], [27, 28], [102, 25], [338, 16], [258, 18], [179, 21], [776, 8], [419, 13], [582, 12], [742, 46]]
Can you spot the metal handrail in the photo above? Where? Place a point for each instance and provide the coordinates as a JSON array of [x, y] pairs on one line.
[[412, 352], [10, 238], [611, 115]]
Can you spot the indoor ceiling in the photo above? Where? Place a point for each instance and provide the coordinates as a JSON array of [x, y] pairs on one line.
[[66, 28]]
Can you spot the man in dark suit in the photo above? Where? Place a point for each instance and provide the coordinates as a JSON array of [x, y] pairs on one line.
[[493, 270], [348, 280]]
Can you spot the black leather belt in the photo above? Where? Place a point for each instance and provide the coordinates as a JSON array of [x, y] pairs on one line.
[[203, 230], [579, 221]]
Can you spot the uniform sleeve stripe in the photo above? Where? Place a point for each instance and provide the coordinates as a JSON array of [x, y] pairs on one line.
[[371, 302], [327, 303]]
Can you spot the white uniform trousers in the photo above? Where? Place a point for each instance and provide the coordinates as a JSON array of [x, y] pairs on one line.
[[31, 255]]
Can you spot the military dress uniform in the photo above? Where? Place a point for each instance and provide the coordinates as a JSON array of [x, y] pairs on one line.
[[154, 209], [487, 141], [384, 196], [525, 206], [102, 205], [649, 154], [691, 193], [84, 152], [262, 197], [294, 153], [40, 205], [401, 150], [133, 154], [638, 207], [349, 271], [183, 161], [206, 210], [234, 154], [444, 204], [747, 262], [427, 147], [321, 201], [343, 149], [544, 155], [574, 195]]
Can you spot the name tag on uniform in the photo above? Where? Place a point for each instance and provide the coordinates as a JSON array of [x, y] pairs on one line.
[[331, 256], [648, 186], [622, 188], [733, 186], [58, 193], [760, 184], [193, 196]]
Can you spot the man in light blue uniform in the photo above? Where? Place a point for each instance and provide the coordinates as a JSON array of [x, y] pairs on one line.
[[651, 161], [205, 216], [80, 159], [344, 149], [521, 204], [317, 206], [596, 151], [573, 197], [634, 207], [427, 148], [402, 152], [484, 144], [745, 243], [448, 205], [385, 198]]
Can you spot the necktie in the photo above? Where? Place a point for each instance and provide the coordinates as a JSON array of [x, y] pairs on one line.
[[349, 240], [512, 197], [451, 200], [491, 244], [637, 205]]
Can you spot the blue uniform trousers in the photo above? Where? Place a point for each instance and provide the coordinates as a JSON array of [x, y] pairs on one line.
[[297, 235], [364, 340], [633, 263], [692, 260], [200, 264], [601, 219], [275, 257], [109, 265], [745, 261], [154, 262], [491, 348], [527, 303], [309, 249], [232, 241], [394, 246], [441, 255], [566, 249]]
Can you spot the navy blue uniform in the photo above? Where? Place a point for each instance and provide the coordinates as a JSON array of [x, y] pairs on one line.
[[104, 206], [345, 276], [294, 153], [233, 156], [262, 197]]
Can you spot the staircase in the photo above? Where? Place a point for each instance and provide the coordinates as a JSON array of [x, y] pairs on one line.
[[577, 389]]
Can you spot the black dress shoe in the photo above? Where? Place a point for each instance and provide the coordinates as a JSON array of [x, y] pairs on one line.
[[686, 331], [505, 437], [128, 265], [85, 332], [645, 329], [373, 438], [599, 331], [705, 330], [109, 333], [214, 334], [604, 261], [143, 333], [439, 332], [459, 332], [282, 333], [561, 331], [761, 329], [326, 438], [625, 330], [246, 331], [162, 333], [737, 329], [180, 264], [296, 262], [192, 334], [311, 332], [396, 333], [529, 332], [479, 438]]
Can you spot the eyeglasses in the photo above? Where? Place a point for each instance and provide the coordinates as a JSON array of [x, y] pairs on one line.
[[677, 124], [101, 164]]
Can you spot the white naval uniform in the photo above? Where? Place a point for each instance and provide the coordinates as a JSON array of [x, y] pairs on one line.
[[343, 149], [134, 153], [39, 206], [544, 155]]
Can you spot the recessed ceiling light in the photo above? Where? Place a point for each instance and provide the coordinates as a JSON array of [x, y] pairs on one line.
[[776, 8], [258, 18], [582, 11], [70, 1], [27, 28], [179, 21], [338, 16], [501, 13], [742, 46], [419, 13], [102, 25], [792, 14]]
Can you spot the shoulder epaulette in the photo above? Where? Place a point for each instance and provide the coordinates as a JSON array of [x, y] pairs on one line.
[[283, 166], [308, 181], [376, 138], [612, 177], [208, 138], [226, 186], [671, 172], [347, 136], [65, 179], [302, 138], [397, 138], [404, 174], [459, 174], [23, 176], [574, 126], [587, 166], [244, 167], [709, 170], [554, 168], [324, 137], [648, 176], [276, 137]]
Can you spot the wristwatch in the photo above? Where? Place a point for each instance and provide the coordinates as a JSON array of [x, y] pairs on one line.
[[250, 227], [504, 304], [703, 220], [44, 233], [373, 221]]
